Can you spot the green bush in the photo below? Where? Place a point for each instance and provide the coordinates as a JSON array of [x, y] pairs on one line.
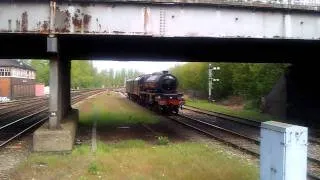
[[163, 140], [93, 168], [252, 104]]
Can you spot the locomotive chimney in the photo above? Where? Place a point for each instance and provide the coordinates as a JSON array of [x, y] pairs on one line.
[[165, 72]]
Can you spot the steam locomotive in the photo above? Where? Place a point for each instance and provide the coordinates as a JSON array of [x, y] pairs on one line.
[[157, 91]]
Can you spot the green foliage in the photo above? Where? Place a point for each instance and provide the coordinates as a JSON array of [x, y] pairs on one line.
[[249, 80], [255, 80], [42, 70], [83, 178], [84, 75], [131, 143], [93, 168], [191, 76], [252, 104], [249, 112], [163, 140], [81, 149]]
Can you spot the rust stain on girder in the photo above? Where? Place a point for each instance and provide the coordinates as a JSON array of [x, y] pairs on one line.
[[98, 25], [77, 21], [18, 25], [81, 21], [62, 20], [24, 22], [53, 6], [86, 22], [44, 28], [9, 25], [146, 20]]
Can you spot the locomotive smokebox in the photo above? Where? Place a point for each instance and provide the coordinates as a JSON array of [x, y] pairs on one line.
[[168, 83], [161, 83]]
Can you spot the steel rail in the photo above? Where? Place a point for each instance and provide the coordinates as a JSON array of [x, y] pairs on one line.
[[245, 121], [83, 95], [228, 142], [23, 131]]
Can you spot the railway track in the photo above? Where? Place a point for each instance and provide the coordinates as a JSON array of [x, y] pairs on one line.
[[24, 107], [16, 127], [20, 104], [21, 110], [249, 122], [249, 130], [247, 142], [4, 105], [234, 139], [7, 106]]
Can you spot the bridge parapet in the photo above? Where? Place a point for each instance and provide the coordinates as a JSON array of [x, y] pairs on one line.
[[312, 5]]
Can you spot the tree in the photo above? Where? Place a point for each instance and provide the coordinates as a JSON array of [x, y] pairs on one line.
[[84, 74], [247, 80], [42, 70]]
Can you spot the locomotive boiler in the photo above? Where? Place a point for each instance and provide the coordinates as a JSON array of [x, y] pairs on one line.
[[157, 90]]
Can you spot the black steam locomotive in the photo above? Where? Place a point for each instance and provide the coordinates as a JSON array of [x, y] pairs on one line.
[[157, 90]]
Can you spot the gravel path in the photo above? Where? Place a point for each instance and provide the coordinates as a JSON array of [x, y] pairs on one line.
[[13, 154]]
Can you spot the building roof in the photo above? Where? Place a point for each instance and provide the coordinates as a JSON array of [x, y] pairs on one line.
[[15, 63]]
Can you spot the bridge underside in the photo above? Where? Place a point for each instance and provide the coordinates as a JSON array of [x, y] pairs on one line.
[[161, 48]]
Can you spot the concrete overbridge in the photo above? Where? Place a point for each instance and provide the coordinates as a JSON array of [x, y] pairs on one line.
[[192, 30]]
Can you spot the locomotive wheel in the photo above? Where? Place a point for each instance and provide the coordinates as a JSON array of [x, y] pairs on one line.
[[165, 110], [176, 110], [156, 108]]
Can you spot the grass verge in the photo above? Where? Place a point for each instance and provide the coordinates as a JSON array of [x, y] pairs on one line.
[[111, 110], [136, 159], [249, 114]]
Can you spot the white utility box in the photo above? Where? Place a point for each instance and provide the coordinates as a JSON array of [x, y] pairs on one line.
[[283, 151]]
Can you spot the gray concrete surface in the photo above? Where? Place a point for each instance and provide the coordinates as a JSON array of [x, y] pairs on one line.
[[55, 140]]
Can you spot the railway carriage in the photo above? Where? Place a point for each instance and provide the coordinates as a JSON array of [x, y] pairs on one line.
[[157, 90], [17, 79]]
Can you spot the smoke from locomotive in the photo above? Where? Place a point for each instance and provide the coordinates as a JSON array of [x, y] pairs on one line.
[[157, 90]]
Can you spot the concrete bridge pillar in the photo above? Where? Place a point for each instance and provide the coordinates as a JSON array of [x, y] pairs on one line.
[[59, 102], [67, 82], [59, 133], [55, 99]]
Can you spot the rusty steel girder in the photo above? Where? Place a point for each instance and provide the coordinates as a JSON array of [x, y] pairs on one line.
[[154, 19]]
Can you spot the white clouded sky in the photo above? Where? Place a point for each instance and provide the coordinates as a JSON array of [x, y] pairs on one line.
[[141, 66]]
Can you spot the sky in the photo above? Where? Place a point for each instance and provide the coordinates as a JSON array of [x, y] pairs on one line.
[[141, 66]]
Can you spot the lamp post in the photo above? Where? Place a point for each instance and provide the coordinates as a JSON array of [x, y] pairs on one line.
[[211, 80]]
